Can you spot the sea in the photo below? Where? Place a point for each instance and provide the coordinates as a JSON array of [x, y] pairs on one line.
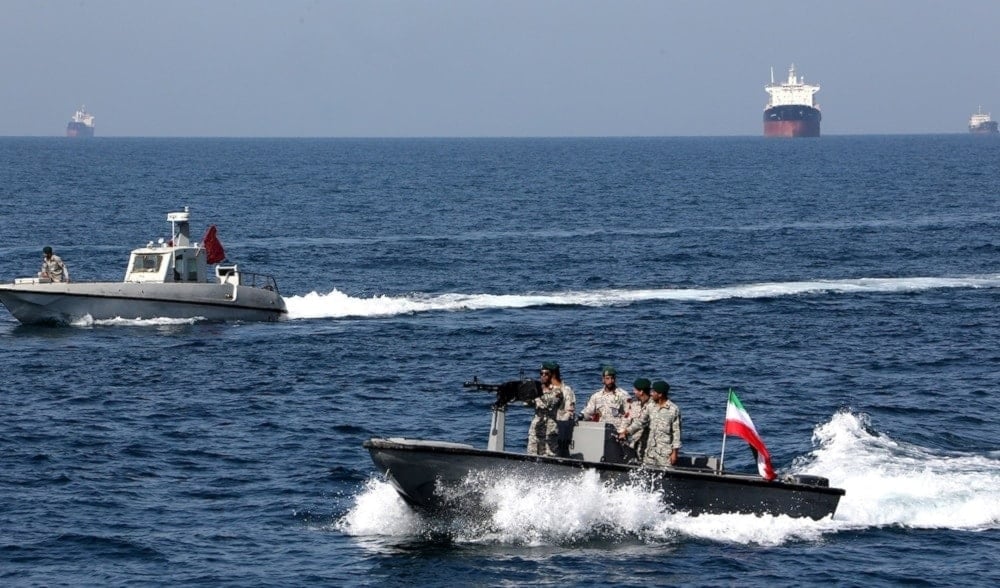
[[845, 287]]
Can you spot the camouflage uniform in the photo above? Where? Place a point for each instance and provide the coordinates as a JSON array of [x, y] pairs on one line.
[[54, 268], [565, 421], [543, 435], [663, 425], [634, 413], [567, 408], [610, 405]]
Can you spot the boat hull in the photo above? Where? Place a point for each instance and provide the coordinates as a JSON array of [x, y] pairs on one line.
[[75, 129], [986, 128], [424, 473], [62, 303], [792, 121]]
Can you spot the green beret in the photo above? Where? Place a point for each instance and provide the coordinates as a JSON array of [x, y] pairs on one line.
[[608, 370], [661, 387], [551, 366], [641, 384]]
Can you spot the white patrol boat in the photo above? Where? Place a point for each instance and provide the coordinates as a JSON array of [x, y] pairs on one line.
[[165, 280]]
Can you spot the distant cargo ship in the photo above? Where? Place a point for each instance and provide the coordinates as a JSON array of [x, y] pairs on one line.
[[791, 111], [81, 125], [982, 124]]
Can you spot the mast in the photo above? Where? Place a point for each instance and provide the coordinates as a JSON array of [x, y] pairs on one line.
[[722, 454]]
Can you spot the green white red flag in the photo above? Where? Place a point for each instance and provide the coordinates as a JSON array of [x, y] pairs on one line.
[[738, 423]]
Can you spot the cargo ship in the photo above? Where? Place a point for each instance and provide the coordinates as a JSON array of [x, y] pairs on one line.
[[982, 124], [791, 111], [81, 125]]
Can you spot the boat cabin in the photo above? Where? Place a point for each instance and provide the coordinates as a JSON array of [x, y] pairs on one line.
[[165, 263], [178, 260]]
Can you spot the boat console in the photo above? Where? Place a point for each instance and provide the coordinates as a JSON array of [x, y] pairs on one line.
[[597, 442]]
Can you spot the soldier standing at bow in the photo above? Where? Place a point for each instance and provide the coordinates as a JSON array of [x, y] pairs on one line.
[[543, 434]]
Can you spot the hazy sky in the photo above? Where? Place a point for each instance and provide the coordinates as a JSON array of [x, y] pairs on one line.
[[457, 68]]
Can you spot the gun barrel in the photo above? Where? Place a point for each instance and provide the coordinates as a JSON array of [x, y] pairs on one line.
[[523, 390], [475, 383]]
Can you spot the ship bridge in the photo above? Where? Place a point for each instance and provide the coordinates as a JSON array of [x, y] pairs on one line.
[[792, 92]]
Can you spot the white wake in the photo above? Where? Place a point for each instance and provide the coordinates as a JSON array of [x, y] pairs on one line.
[[336, 304]]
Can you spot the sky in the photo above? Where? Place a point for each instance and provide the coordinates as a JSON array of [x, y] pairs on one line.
[[490, 68]]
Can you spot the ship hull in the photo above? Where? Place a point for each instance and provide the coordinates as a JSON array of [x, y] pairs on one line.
[[430, 475], [792, 121], [75, 129], [64, 303], [986, 128]]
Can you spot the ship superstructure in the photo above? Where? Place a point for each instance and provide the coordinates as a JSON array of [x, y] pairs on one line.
[[81, 125], [791, 111], [982, 124]]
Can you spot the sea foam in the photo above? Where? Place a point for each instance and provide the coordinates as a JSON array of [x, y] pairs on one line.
[[888, 483], [337, 304]]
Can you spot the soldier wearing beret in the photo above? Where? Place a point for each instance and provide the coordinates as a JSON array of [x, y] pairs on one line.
[[543, 433], [663, 419], [634, 412], [607, 405]]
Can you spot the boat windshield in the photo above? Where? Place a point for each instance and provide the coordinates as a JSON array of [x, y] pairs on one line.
[[146, 263]]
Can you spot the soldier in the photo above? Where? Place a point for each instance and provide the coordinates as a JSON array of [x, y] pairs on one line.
[[566, 416], [53, 267], [634, 412], [607, 405], [543, 434], [663, 420]]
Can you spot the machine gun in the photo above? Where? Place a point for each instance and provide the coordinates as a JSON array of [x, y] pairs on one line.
[[523, 390]]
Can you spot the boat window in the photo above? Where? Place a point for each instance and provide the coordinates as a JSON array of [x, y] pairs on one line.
[[146, 264]]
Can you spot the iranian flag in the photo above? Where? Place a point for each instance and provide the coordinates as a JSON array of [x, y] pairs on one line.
[[738, 423]]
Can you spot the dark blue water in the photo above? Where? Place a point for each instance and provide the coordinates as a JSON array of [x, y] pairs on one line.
[[847, 287]]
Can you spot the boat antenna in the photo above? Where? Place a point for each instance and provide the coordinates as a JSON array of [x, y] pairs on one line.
[[772, 75]]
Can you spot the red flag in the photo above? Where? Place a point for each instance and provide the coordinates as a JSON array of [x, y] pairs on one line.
[[213, 247]]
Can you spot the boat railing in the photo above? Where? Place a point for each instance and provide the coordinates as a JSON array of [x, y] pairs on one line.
[[262, 281], [228, 274]]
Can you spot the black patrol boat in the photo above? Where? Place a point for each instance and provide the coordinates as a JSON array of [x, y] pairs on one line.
[[432, 475]]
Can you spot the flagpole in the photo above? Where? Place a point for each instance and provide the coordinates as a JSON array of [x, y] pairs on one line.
[[722, 456]]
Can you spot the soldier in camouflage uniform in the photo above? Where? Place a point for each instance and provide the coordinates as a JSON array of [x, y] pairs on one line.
[[663, 419], [566, 417], [607, 405], [543, 435], [637, 407]]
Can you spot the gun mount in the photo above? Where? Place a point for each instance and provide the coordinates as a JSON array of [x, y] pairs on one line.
[[523, 390]]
